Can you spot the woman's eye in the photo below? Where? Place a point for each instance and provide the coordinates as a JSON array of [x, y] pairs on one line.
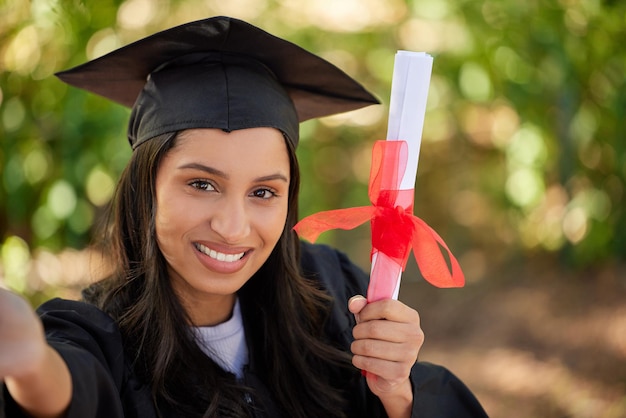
[[202, 185], [263, 193]]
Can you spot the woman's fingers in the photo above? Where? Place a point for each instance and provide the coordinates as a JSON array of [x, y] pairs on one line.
[[390, 309], [387, 338]]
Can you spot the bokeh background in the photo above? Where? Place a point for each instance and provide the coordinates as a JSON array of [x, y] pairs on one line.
[[522, 169]]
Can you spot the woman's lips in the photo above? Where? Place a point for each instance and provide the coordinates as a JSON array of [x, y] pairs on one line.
[[219, 256], [226, 261]]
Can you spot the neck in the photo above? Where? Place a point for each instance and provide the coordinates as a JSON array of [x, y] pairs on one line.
[[209, 311]]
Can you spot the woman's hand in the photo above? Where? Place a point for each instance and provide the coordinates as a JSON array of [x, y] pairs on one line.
[[387, 341], [22, 341], [35, 374]]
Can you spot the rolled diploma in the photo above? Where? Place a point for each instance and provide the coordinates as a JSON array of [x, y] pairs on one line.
[[407, 108]]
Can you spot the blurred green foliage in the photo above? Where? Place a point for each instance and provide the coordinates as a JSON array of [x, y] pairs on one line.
[[523, 149]]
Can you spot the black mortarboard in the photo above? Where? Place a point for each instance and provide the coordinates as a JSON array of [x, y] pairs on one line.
[[218, 73]]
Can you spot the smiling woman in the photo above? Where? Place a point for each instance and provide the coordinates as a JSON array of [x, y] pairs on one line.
[[214, 308]]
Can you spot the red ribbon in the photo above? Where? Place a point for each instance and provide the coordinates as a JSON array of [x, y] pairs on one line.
[[395, 230]]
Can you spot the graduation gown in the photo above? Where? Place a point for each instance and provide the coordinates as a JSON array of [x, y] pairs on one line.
[[105, 386]]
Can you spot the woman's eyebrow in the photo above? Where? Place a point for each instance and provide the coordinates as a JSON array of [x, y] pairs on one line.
[[205, 168], [220, 173], [277, 176]]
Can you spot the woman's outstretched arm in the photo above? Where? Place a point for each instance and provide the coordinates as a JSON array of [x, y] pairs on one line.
[[34, 373]]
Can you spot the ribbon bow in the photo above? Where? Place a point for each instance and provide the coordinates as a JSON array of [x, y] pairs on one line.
[[395, 230]]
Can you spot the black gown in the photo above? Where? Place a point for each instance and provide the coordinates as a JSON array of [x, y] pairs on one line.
[[104, 385]]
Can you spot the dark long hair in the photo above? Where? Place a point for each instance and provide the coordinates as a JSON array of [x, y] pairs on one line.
[[300, 369]]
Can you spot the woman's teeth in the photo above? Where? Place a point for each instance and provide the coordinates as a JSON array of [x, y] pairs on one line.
[[229, 258]]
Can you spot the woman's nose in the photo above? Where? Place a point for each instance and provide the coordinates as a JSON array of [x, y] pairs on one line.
[[230, 220]]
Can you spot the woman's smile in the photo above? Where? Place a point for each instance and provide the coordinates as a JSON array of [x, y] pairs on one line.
[[219, 256], [221, 262]]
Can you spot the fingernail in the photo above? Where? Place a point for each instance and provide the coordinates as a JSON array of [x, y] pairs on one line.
[[353, 298]]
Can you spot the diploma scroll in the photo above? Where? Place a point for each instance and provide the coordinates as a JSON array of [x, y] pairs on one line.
[[407, 108], [395, 230]]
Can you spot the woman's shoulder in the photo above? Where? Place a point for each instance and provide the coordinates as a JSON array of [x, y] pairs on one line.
[[333, 269], [74, 327], [80, 314], [70, 305]]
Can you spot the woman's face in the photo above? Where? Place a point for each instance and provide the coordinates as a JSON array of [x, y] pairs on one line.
[[222, 201]]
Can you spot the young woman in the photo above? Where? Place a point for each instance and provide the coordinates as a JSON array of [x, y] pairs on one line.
[[214, 308]]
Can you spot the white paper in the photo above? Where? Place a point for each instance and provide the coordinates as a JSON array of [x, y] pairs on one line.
[[407, 107]]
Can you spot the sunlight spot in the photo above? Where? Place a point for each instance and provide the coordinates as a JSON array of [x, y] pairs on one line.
[[48, 267], [435, 36], [44, 223], [505, 124], [576, 21], [432, 9], [36, 166], [583, 126], [379, 63], [590, 155], [345, 15], [243, 9], [61, 199], [542, 226], [551, 216], [527, 148], [524, 187], [102, 42], [575, 225], [43, 10], [361, 163], [135, 14], [342, 59], [23, 52], [439, 126], [367, 116], [596, 203], [477, 121], [99, 186], [15, 260], [511, 65], [14, 114], [439, 93], [82, 217], [474, 82]]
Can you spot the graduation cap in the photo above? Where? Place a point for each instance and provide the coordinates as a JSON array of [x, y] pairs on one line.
[[220, 73]]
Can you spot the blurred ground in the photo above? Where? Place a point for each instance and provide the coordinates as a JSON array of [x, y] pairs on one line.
[[534, 342]]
